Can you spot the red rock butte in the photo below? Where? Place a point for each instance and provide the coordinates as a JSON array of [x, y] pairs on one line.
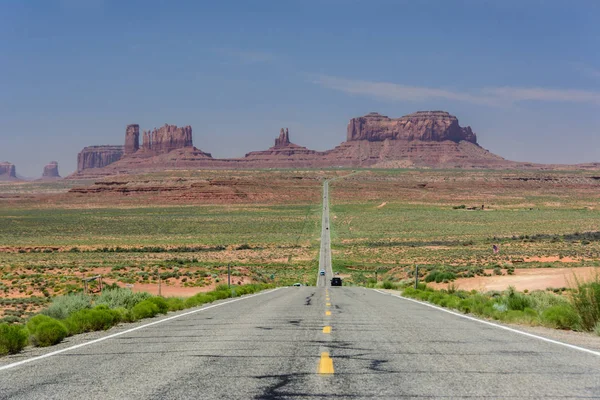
[[424, 139], [7, 171], [51, 171]]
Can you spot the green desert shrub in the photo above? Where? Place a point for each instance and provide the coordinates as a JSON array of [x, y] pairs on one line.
[[122, 297], [389, 285], [49, 333], [561, 317], [161, 303], [175, 304], [439, 276], [63, 306], [198, 300], [586, 302], [597, 329], [96, 319], [37, 320], [145, 309], [517, 301], [13, 338]]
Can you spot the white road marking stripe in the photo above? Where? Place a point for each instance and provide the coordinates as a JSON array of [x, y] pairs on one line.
[[506, 328], [129, 331]]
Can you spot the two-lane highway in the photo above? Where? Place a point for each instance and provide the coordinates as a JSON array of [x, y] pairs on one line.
[[325, 252], [307, 342]]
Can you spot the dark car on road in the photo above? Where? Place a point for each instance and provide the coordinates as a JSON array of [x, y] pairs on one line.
[[336, 282]]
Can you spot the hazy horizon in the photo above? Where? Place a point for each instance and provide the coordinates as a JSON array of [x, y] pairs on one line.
[[525, 75]]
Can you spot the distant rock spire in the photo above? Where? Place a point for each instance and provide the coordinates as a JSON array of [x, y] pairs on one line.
[[283, 139]]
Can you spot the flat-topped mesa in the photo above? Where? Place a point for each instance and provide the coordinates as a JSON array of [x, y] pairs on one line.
[[167, 138], [8, 170], [51, 170], [132, 139], [284, 138], [427, 126], [98, 157]]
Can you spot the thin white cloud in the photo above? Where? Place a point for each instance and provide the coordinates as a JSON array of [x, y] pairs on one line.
[[515, 94], [490, 96]]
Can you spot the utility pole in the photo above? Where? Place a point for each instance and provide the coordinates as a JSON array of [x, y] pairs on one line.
[[416, 277], [228, 275]]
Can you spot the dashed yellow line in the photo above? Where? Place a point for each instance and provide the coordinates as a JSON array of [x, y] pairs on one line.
[[327, 329], [327, 313], [326, 364]]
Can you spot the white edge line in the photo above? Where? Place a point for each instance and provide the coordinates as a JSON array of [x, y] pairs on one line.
[[129, 331], [506, 328]]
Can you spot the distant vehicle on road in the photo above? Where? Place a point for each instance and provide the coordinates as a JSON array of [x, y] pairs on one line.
[[322, 272], [336, 281], [297, 284]]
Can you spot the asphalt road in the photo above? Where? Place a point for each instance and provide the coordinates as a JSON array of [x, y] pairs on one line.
[[273, 345], [325, 253]]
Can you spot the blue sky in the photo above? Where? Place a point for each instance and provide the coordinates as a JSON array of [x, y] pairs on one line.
[[525, 75]]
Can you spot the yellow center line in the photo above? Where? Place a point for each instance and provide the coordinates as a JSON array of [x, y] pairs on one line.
[[328, 304], [326, 364], [327, 312], [327, 329]]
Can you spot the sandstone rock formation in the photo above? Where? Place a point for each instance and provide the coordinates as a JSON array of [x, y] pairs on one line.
[[51, 171], [425, 139], [7, 171], [167, 138], [98, 157], [283, 139], [431, 126], [132, 139], [283, 154]]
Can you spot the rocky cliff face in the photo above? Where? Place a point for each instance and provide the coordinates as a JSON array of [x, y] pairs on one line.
[[98, 157], [132, 139], [7, 171], [429, 126], [167, 138], [51, 170]]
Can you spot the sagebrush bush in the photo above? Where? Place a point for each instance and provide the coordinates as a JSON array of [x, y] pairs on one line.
[[49, 333], [13, 338], [63, 306], [561, 317], [122, 297]]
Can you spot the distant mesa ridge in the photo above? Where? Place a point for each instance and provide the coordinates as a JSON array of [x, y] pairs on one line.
[[430, 139]]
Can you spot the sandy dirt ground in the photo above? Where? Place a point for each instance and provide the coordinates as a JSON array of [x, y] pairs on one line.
[[525, 278]]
